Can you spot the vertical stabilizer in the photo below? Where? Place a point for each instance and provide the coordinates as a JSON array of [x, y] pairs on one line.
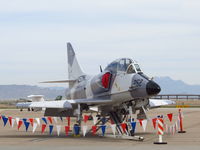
[[74, 70]]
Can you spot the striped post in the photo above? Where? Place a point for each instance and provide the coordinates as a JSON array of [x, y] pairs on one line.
[[160, 131], [181, 122]]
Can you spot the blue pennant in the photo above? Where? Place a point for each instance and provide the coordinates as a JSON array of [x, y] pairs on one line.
[[50, 129], [103, 120], [61, 118], [5, 120], [45, 120], [26, 125], [76, 130], [24, 120], [103, 129], [133, 125]]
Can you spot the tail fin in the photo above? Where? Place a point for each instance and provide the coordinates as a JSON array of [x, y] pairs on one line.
[[74, 70]]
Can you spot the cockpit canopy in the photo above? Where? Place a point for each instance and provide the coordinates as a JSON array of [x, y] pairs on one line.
[[124, 65]]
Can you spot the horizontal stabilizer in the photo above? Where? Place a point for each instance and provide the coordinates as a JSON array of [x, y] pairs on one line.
[[61, 81]]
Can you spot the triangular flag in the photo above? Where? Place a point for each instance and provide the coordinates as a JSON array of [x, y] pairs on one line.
[[84, 128], [43, 127], [10, 120], [5, 120], [144, 124], [124, 125], [103, 129], [50, 129], [133, 125], [154, 122], [94, 130], [113, 128], [31, 121], [24, 119], [34, 127], [55, 119], [68, 121], [0, 117], [17, 120], [166, 128], [38, 121], [19, 124], [13, 122], [58, 129], [103, 120], [140, 121], [61, 118], [94, 119], [76, 130], [170, 116], [50, 119], [66, 130], [45, 120], [85, 118], [26, 125]]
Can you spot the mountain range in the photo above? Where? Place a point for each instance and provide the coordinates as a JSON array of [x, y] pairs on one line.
[[168, 86]]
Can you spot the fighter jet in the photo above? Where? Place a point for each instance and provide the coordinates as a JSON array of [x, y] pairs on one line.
[[119, 90]]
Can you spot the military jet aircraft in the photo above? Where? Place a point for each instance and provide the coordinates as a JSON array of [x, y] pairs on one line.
[[120, 89]]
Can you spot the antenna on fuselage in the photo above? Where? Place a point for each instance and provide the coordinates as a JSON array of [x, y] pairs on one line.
[[101, 69]]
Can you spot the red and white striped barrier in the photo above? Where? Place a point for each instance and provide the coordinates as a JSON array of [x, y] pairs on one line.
[[160, 131]]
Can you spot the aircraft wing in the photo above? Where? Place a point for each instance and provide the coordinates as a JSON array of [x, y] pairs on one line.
[[160, 102], [61, 104]]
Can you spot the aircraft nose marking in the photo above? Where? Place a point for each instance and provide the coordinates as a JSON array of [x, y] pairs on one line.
[[152, 88]]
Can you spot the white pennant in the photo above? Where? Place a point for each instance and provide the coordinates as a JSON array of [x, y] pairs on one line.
[[84, 128], [55, 119], [144, 124], [13, 122], [166, 128], [17, 120], [113, 127], [176, 126], [94, 119], [34, 127], [38, 121], [58, 129]]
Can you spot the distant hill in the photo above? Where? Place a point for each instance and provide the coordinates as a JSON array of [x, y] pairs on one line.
[[170, 86], [22, 91]]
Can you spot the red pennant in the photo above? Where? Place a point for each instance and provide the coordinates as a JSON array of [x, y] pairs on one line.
[[50, 119], [31, 121], [124, 125], [66, 130], [10, 120], [94, 130], [111, 121], [43, 127], [170, 116], [0, 117], [154, 122], [140, 121], [86, 117], [19, 124], [68, 121]]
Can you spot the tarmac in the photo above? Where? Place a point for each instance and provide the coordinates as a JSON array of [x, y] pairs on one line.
[[12, 139]]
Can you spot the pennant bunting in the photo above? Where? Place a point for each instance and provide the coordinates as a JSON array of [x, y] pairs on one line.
[[26, 125], [133, 125], [10, 121], [19, 124], [103, 129], [31, 121], [76, 130], [5, 120], [140, 121], [34, 127], [61, 119], [154, 121], [66, 130], [170, 116], [84, 128], [13, 122], [85, 118], [144, 124], [50, 120], [17, 120], [94, 119], [94, 130], [55, 119], [50, 129], [45, 120], [124, 126], [43, 127], [103, 120], [113, 128], [24, 119], [38, 121], [68, 121], [58, 129]]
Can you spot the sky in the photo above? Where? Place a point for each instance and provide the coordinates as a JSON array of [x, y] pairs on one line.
[[163, 36]]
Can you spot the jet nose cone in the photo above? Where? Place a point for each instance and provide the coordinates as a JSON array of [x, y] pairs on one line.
[[152, 88]]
